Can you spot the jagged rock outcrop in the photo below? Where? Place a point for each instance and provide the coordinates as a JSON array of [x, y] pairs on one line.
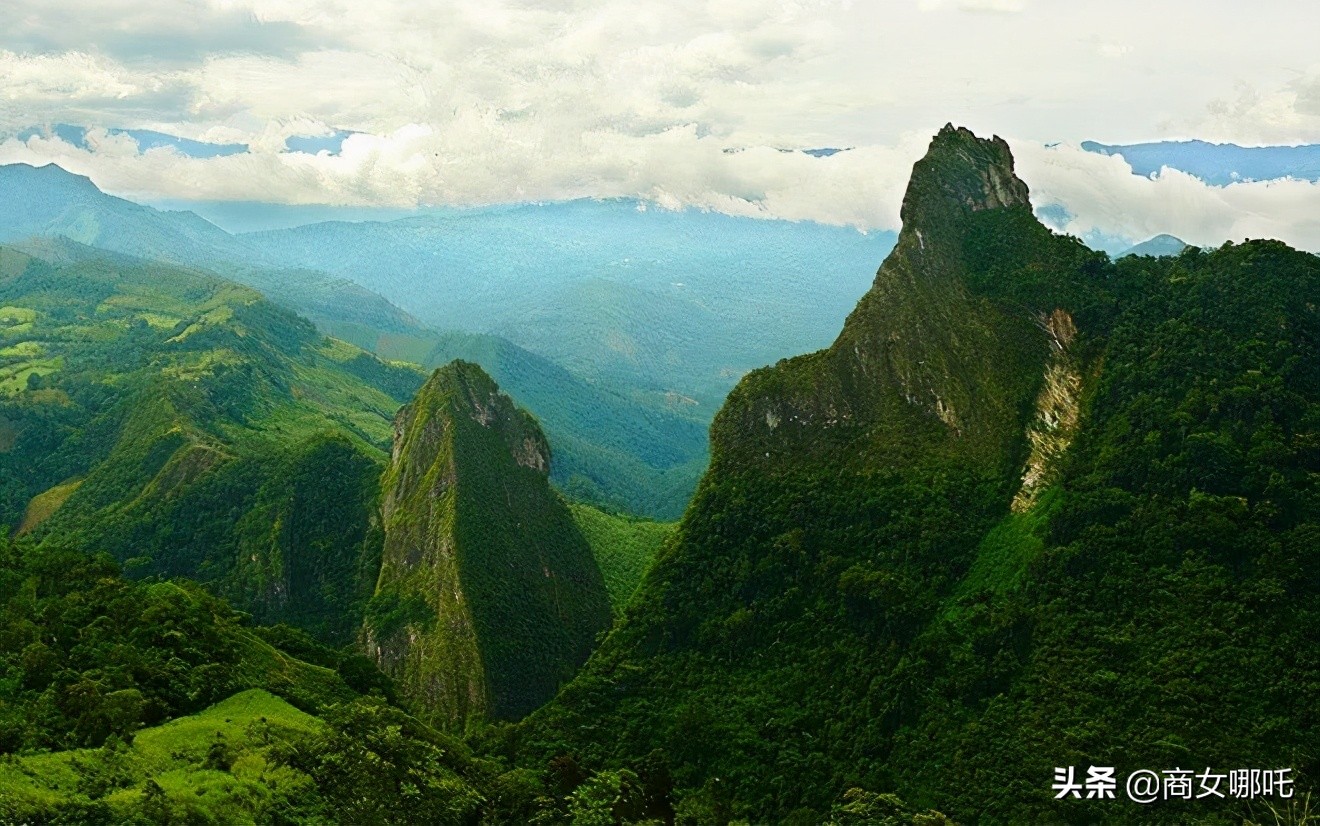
[[923, 353], [1058, 410], [489, 598]]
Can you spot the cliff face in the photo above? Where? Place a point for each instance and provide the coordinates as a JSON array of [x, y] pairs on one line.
[[488, 597], [927, 364]]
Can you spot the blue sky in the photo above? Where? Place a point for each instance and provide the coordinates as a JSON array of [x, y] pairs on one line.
[[486, 101]]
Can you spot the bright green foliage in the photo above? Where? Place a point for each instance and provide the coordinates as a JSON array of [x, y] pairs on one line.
[[607, 798], [489, 597], [852, 602], [194, 429], [374, 764], [104, 688], [85, 654], [624, 548], [253, 758], [862, 808], [210, 767]]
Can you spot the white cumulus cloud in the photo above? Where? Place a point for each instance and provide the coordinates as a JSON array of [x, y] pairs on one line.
[[482, 101], [1101, 194]]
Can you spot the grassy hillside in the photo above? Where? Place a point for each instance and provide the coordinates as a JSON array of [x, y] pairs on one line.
[[88, 655], [255, 759], [211, 767], [155, 702], [189, 427]]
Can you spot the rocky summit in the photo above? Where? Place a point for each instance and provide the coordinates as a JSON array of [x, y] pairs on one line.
[[489, 597]]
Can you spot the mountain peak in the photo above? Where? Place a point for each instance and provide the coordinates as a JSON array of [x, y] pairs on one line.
[[464, 389], [488, 597], [46, 173], [962, 170], [1159, 246]]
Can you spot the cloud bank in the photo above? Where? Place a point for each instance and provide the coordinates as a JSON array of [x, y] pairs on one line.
[[1102, 196], [470, 102]]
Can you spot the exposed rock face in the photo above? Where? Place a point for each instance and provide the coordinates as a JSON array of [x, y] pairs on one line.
[[488, 597], [921, 351], [1058, 411], [962, 169]]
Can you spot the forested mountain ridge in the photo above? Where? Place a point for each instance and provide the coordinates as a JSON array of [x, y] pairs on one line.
[[642, 455], [188, 427], [49, 203], [1024, 513], [489, 596]]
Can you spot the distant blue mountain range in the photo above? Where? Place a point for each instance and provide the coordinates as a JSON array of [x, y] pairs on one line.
[[255, 216], [667, 304], [617, 290], [1218, 164]]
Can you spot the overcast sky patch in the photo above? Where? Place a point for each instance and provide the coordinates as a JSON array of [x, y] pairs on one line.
[[480, 101]]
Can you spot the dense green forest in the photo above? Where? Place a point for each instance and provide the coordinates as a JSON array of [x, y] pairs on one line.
[[188, 427], [179, 425], [154, 702], [1033, 508]]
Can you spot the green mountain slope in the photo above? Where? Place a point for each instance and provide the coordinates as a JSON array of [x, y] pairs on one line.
[[165, 769], [133, 702], [46, 206], [624, 548], [634, 451], [88, 655], [489, 597], [189, 427], [1031, 509]]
